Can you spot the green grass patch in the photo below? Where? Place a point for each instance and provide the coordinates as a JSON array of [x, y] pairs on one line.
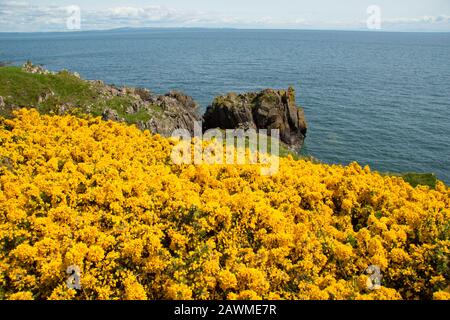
[[422, 179], [141, 115], [416, 179], [23, 89]]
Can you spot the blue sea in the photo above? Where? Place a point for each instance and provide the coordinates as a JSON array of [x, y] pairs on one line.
[[381, 99]]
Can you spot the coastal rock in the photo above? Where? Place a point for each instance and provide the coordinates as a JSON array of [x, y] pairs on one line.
[[35, 69], [145, 95], [167, 113], [162, 114], [62, 109], [268, 109], [43, 97], [110, 114], [178, 111]]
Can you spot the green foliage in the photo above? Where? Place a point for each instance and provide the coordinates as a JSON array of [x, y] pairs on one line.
[[416, 179], [23, 89], [424, 179]]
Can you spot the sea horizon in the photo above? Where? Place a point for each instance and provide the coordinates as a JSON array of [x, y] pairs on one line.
[[365, 30]]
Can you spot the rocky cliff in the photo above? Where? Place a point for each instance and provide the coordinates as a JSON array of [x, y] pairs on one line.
[[65, 92], [268, 109], [165, 113]]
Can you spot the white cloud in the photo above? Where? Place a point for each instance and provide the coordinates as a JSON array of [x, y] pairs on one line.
[[442, 19], [24, 16]]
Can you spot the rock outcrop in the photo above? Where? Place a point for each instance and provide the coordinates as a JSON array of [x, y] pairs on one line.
[[165, 113], [178, 111], [35, 69], [268, 109], [162, 114], [111, 114]]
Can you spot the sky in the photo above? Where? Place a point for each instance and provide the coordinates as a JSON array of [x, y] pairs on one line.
[[382, 15]]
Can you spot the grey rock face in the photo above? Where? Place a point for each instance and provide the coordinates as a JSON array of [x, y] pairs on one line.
[[166, 113], [35, 69], [268, 109], [178, 111], [110, 114], [45, 96]]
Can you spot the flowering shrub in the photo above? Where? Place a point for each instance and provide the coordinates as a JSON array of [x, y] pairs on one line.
[[107, 198]]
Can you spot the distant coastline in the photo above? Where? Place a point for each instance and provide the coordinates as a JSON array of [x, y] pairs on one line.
[[144, 29]]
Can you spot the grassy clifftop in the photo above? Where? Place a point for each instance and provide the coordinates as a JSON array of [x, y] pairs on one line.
[[43, 91], [62, 92]]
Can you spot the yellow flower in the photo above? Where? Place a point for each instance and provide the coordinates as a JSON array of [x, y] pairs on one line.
[[133, 289], [27, 295], [106, 198], [227, 280], [441, 295]]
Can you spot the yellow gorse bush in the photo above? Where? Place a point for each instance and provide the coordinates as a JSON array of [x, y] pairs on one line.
[[107, 198]]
